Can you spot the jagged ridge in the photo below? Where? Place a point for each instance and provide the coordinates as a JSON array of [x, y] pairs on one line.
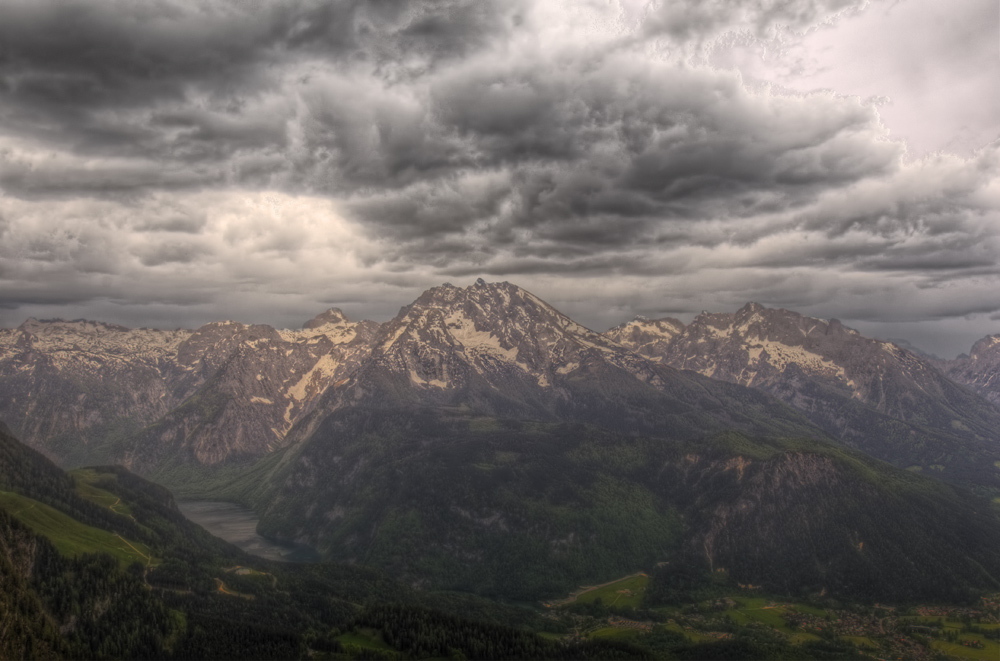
[[870, 394]]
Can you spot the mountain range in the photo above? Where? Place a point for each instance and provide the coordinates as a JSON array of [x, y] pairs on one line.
[[891, 403], [481, 440]]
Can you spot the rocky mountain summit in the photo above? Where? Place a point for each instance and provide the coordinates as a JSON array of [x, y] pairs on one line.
[[497, 349], [454, 338]]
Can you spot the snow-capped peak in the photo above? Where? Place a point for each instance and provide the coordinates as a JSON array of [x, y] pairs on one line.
[[485, 327]]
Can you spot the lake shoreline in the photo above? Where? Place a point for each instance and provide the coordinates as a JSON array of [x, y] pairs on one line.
[[238, 526]]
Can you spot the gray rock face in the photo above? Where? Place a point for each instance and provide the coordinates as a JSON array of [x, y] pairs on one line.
[[980, 370], [650, 338], [756, 346], [871, 394], [450, 336], [68, 385], [499, 350], [85, 392]]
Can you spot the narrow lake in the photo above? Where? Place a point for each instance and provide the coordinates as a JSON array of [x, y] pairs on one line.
[[238, 526]]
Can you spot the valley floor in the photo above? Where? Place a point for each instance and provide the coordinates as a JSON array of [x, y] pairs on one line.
[[790, 629]]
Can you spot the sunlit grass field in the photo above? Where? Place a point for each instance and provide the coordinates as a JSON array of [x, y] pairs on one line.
[[69, 536]]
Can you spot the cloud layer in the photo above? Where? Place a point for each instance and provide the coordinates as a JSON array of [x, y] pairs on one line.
[[173, 162]]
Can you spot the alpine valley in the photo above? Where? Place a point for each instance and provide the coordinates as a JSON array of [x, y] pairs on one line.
[[482, 449]]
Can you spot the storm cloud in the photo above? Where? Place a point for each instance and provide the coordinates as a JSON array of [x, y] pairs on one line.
[[168, 163]]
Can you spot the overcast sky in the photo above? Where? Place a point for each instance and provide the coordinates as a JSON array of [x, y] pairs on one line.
[[171, 163]]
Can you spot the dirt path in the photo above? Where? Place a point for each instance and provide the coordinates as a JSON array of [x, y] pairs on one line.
[[112, 508], [223, 590], [149, 560]]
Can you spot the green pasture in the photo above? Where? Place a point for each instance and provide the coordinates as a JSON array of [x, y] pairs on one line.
[[614, 633], [620, 594], [693, 636], [548, 635], [69, 536], [84, 479], [762, 611], [990, 650]]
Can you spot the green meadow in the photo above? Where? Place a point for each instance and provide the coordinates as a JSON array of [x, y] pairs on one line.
[[69, 536], [989, 652], [623, 593], [84, 479]]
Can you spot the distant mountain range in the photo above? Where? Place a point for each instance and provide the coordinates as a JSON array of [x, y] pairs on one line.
[[928, 415], [229, 393], [482, 440]]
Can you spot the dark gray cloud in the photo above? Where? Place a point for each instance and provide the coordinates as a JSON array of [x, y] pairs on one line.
[[702, 21], [169, 153]]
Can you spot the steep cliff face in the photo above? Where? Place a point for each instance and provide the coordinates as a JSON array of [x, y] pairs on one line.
[[755, 346], [870, 394], [261, 382], [979, 370], [86, 392], [67, 386], [805, 518]]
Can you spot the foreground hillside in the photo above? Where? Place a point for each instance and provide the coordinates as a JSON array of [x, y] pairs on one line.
[[122, 575]]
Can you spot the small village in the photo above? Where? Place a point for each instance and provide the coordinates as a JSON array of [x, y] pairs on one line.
[[880, 631]]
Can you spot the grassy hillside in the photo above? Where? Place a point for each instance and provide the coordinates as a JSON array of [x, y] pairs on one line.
[[69, 536]]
